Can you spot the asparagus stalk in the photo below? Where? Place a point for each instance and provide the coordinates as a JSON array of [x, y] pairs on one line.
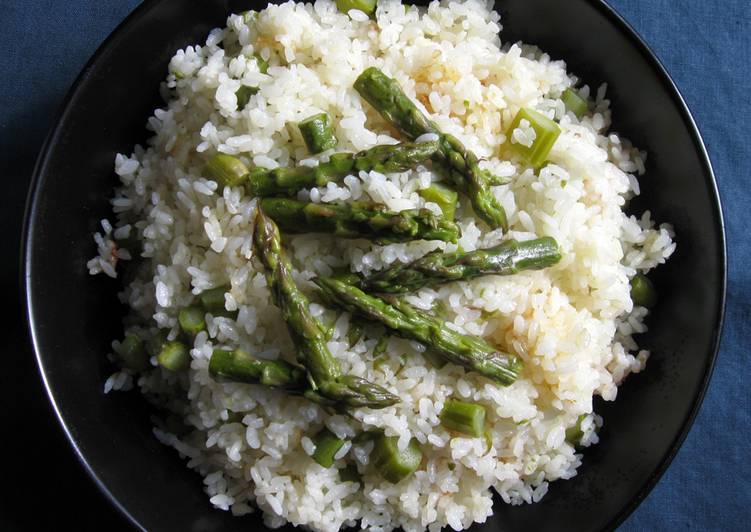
[[324, 373], [239, 366], [317, 133], [437, 267], [383, 158], [472, 352], [461, 165], [359, 220]]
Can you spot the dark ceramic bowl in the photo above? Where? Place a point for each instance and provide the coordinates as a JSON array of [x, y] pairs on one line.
[[73, 316]]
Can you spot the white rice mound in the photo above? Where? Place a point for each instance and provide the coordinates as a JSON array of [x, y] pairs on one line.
[[571, 324]]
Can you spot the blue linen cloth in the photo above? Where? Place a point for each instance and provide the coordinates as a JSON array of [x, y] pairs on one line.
[[705, 45]]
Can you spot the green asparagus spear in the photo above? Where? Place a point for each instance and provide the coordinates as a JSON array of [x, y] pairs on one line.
[[472, 352], [461, 165], [437, 267], [324, 373], [317, 133], [359, 220], [239, 366], [383, 158]]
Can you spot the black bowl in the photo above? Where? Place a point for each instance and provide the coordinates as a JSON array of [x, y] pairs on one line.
[[73, 316]]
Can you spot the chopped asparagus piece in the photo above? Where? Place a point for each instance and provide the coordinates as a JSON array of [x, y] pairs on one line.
[[132, 353], [354, 333], [191, 319], [546, 132], [443, 196], [213, 298], [174, 356], [643, 292], [263, 65], [381, 346], [366, 6], [574, 102], [467, 418], [226, 170], [317, 133], [239, 366], [395, 465], [575, 433], [327, 445], [243, 95]]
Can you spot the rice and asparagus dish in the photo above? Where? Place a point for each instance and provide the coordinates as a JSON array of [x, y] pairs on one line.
[[377, 265]]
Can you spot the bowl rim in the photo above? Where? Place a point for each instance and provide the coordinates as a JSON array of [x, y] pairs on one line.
[[142, 10]]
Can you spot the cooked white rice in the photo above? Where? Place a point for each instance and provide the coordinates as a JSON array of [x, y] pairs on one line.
[[572, 324]]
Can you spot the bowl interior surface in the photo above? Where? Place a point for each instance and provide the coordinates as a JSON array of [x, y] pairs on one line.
[[74, 317]]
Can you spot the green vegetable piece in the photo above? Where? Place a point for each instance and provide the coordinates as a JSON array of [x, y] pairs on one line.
[[366, 6], [472, 352], [349, 473], [384, 158], [395, 465], [359, 219], [213, 298], [191, 320], [437, 267], [132, 353], [325, 376], [381, 346], [643, 292], [239, 366], [243, 95], [155, 343], [443, 196], [327, 445], [457, 163], [546, 132], [226, 170], [317, 133], [574, 102], [354, 333], [263, 65], [249, 16], [467, 418], [574, 433], [174, 356]]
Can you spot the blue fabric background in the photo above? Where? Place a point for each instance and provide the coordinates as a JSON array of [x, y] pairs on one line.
[[705, 45]]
